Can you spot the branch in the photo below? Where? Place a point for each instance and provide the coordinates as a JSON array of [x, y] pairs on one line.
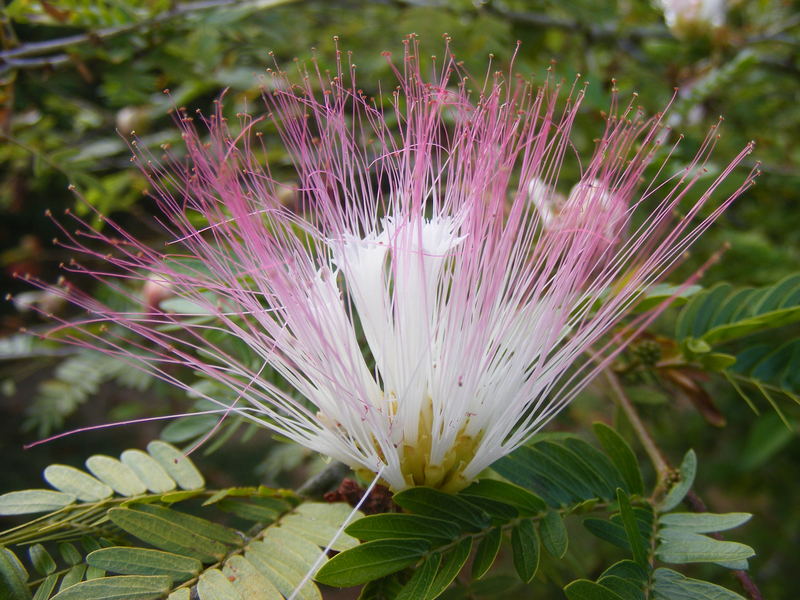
[[12, 58], [664, 471]]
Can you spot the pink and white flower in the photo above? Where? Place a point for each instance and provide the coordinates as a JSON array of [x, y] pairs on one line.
[[422, 316]]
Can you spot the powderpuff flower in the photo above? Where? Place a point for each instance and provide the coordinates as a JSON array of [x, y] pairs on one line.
[[417, 314], [687, 17]]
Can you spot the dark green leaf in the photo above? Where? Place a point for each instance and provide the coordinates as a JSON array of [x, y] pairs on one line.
[[631, 528], [599, 464], [591, 484], [622, 456], [73, 576], [554, 534], [627, 569], [452, 564], [419, 586], [525, 546], [41, 559], [624, 588], [13, 576], [525, 502], [523, 468], [371, 560], [583, 589], [70, 553], [486, 552], [608, 531], [402, 525], [433, 503], [46, 588]]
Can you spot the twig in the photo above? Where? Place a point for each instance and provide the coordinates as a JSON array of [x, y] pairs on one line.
[[664, 470], [13, 58]]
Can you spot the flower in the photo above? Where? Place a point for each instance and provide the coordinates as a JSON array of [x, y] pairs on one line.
[[687, 17], [421, 312]]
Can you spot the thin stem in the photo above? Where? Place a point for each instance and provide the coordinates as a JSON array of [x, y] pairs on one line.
[[663, 470]]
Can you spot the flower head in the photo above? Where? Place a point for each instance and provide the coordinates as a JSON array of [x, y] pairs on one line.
[[688, 17], [421, 311]]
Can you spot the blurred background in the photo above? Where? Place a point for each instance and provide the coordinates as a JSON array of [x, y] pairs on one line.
[[78, 76]]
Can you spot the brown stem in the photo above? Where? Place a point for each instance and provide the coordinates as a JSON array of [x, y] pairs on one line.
[[664, 470]]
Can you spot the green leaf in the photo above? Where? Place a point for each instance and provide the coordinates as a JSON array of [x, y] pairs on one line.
[[525, 547], [704, 522], [283, 571], [13, 576], [287, 542], [77, 483], [319, 522], [451, 566], [69, 553], [421, 582], [583, 589], [622, 587], [682, 546], [588, 484], [631, 528], [116, 475], [213, 585], [203, 527], [525, 467], [600, 465], [622, 456], [41, 559], [661, 292], [527, 503], [148, 470], [371, 560], [554, 534], [433, 503], [182, 594], [627, 569], [671, 585], [33, 501], [73, 576], [608, 531], [176, 464], [123, 587], [677, 493], [402, 525], [144, 561], [486, 552], [249, 581], [163, 533], [46, 588]]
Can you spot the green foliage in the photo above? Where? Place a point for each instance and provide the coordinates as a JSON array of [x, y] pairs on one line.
[[131, 501], [403, 555], [723, 314]]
